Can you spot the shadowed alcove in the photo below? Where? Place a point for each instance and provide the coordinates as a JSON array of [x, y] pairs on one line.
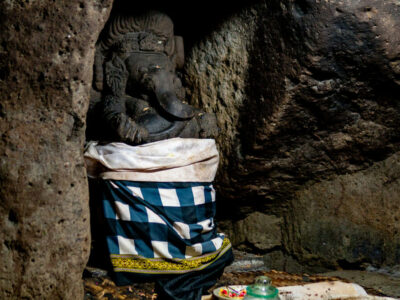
[[293, 105]]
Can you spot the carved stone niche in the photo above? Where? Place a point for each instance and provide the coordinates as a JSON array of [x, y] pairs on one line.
[[137, 95]]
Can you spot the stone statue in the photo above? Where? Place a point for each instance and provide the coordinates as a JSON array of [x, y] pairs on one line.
[[139, 97]]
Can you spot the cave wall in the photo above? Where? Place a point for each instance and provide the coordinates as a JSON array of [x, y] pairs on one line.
[[356, 222], [46, 59], [307, 98]]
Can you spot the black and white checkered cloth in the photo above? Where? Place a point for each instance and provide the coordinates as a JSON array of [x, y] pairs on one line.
[[161, 220]]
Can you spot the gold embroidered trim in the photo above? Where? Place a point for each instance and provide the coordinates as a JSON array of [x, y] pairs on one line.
[[138, 264]]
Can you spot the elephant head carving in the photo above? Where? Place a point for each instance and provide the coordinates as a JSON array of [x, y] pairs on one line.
[[142, 97]]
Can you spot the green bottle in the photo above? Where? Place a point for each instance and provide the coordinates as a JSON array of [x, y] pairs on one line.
[[262, 289]]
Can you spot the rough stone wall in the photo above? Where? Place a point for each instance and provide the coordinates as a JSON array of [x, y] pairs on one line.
[[306, 91], [356, 213], [216, 72], [46, 59]]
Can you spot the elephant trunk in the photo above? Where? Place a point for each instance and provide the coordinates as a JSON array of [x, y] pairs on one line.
[[164, 90]]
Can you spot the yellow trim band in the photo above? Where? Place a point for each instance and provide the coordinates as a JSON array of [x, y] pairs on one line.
[[139, 264]]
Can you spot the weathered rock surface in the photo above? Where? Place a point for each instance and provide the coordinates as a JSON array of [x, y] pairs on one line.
[[46, 59], [351, 219], [306, 91], [217, 71], [260, 232]]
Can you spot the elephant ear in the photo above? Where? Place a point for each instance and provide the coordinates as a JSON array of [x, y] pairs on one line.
[[98, 69], [116, 75], [179, 55]]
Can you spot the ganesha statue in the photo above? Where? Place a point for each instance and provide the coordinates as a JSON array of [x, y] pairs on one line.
[[153, 158], [138, 96]]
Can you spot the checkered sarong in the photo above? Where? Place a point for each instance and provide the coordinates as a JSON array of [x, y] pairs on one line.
[[161, 227]]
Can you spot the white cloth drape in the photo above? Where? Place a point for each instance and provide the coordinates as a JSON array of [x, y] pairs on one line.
[[172, 160]]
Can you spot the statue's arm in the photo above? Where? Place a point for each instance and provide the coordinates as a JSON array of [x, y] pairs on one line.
[[115, 115], [125, 129]]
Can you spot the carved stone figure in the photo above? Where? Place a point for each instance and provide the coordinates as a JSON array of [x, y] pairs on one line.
[[142, 98]]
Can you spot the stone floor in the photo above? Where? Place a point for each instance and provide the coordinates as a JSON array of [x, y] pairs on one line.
[[243, 271], [103, 288], [382, 283]]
